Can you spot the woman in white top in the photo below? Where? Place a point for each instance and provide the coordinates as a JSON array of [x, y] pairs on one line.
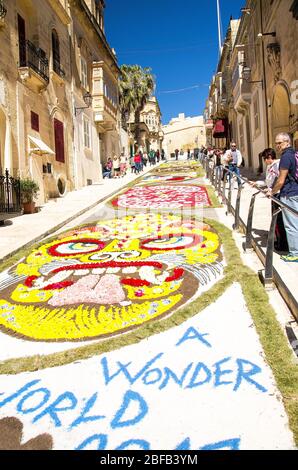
[[272, 173], [116, 166], [272, 169], [123, 163]]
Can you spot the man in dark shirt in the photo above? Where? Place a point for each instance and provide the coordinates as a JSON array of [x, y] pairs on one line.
[[288, 187]]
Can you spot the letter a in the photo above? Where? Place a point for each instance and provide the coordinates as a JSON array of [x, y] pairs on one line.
[[192, 333]]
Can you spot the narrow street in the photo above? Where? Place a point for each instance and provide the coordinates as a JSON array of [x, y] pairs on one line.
[[136, 328]]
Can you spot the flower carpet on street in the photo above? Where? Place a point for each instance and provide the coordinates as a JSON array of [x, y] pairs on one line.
[[167, 196], [172, 178], [109, 277], [141, 330]]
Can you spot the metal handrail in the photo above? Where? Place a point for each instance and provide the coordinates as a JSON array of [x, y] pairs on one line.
[[268, 272], [10, 194], [58, 69]]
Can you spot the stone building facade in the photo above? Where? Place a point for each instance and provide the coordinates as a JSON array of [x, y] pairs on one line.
[[151, 116], [184, 133], [262, 70], [54, 59], [150, 134]]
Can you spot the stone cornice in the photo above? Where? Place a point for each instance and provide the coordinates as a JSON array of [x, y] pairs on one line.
[[95, 26], [60, 11]]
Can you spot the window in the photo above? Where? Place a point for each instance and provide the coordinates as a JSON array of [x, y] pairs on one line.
[[56, 51], [98, 14], [22, 41], [34, 121], [87, 133], [256, 113], [84, 73], [110, 92], [59, 140]]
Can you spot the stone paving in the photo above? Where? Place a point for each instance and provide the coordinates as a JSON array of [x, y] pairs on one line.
[[22, 230]]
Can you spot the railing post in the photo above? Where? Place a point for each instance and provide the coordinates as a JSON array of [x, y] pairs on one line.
[[266, 275], [7, 189], [212, 174], [219, 175], [224, 198], [248, 240], [229, 204], [237, 208]]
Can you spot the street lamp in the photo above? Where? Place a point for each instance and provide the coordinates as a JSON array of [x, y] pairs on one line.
[[87, 100], [273, 33], [246, 73]]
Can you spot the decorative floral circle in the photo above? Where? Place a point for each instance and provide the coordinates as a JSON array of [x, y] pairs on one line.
[[76, 247], [157, 197], [173, 178]]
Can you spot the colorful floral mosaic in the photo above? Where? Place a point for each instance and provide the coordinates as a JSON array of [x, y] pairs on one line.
[[173, 178], [178, 167], [109, 277], [158, 197]]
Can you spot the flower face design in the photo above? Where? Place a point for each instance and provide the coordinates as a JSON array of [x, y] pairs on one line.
[[107, 278]]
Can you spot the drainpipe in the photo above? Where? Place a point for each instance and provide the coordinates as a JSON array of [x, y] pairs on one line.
[[264, 79], [74, 123]]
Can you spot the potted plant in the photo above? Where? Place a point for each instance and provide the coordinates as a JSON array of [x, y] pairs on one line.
[[29, 191]]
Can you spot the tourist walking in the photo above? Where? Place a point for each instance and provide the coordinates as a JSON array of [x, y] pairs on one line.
[[233, 160], [138, 162], [123, 164], [116, 166]]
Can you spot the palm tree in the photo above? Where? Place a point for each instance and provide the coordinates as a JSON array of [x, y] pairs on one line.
[[135, 87]]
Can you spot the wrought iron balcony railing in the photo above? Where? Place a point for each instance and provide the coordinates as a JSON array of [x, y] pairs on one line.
[[58, 69], [3, 11], [35, 58], [10, 194]]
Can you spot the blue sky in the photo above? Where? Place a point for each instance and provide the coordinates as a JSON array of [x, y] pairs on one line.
[[177, 39]]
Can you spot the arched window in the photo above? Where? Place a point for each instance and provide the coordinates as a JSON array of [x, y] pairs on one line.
[[56, 51]]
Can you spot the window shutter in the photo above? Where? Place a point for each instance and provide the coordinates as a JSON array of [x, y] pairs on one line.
[[56, 51], [34, 121], [22, 41], [59, 140]]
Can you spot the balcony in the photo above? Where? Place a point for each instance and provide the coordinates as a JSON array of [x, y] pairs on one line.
[[34, 66], [241, 90], [57, 73], [105, 111]]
